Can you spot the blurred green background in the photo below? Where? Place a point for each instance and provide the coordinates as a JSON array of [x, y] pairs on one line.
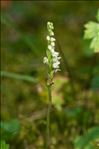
[[75, 113]]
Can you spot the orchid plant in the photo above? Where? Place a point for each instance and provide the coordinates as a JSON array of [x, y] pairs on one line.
[[52, 60]]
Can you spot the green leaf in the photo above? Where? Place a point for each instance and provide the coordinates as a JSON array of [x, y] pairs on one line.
[[92, 32], [92, 28], [90, 146], [18, 76], [9, 129], [83, 141], [4, 145], [95, 44]]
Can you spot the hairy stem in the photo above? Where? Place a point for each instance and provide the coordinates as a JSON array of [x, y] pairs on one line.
[[48, 117]]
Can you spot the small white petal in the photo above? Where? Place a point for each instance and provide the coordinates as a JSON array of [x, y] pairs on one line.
[[56, 65], [56, 70], [53, 39], [48, 23], [51, 32], [45, 60], [53, 43], [52, 51], [48, 38], [49, 47], [58, 58], [55, 54], [58, 62], [55, 60]]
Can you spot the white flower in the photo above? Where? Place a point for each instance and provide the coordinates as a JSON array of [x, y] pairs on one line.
[[45, 60], [59, 58], [52, 51], [48, 38], [56, 65], [55, 54], [53, 44], [50, 25], [50, 47], [53, 39], [53, 61], [57, 70], [56, 59], [51, 33]]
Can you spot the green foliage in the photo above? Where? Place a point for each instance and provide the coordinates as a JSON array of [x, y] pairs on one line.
[[3, 145], [10, 129], [23, 31], [18, 76], [86, 141], [92, 32]]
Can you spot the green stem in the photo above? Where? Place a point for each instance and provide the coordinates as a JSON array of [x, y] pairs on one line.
[[48, 117]]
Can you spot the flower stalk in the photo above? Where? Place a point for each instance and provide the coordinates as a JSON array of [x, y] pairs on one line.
[[48, 116], [52, 60]]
